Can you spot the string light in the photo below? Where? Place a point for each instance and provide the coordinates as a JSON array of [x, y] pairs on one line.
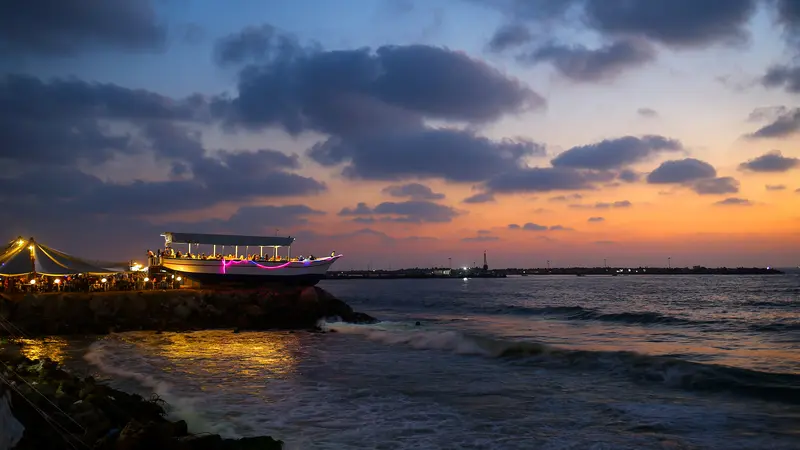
[[307, 262]]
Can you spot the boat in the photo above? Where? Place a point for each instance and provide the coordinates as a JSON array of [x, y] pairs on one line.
[[211, 259]]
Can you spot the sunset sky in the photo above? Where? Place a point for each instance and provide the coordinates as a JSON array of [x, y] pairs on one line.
[[404, 132]]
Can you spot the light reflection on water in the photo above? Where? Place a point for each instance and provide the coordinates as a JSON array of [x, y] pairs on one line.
[[54, 348]]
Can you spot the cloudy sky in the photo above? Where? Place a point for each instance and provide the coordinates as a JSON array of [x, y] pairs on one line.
[[404, 132]]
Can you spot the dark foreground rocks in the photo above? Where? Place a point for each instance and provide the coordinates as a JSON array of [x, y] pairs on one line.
[[172, 310], [61, 411]]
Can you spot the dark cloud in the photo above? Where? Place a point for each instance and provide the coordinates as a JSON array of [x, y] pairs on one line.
[[65, 121], [510, 36], [254, 44], [596, 219], [681, 171], [481, 197], [785, 124], [616, 153], [547, 179], [773, 161], [413, 211], [629, 176], [353, 92], [734, 201], [647, 112], [605, 205], [481, 239], [259, 219], [582, 64], [789, 15], [675, 23], [484, 232], [429, 153], [566, 198], [560, 228], [532, 227], [775, 187], [65, 28], [716, 186], [784, 77], [414, 191]]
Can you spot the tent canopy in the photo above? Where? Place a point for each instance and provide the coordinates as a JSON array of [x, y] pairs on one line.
[[15, 260]]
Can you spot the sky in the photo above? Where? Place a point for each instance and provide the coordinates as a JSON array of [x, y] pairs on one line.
[[401, 133]]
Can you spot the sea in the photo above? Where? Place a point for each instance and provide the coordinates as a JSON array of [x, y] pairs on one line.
[[537, 362]]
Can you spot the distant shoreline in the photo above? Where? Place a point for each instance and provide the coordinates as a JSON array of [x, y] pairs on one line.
[[438, 273]]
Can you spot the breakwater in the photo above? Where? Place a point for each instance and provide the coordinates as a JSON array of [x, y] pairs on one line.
[[72, 313], [45, 407]]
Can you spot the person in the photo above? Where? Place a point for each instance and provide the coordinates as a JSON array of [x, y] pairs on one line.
[[333, 253]]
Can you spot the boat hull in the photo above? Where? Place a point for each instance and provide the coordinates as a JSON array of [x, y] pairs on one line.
[[217, 272]]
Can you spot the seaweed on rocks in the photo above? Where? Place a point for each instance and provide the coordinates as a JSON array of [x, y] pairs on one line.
[[62, 411]]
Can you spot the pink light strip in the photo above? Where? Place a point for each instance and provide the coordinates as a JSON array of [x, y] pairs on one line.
[[307, 262]]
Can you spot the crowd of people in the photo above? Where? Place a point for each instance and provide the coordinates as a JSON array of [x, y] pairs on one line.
[[80, 282], [169, 252]]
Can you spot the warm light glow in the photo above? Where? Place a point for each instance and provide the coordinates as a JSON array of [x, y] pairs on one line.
[[51, 348], [103, 280], [33, 281], [179, 278], [58, 281], [225, 263], [20, 242], [173, 277], [146, 279], [30, 247]]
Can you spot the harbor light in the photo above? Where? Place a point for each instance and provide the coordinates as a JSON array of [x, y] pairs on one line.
[[103, 280], [146, 279]]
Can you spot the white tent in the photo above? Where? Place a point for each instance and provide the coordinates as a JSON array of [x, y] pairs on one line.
[[26, 256]]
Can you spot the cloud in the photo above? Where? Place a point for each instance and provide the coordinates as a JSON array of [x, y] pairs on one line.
[[547, 179], [566, 198], [616, 153], [629, 176], [647, 113], [775, 187], [734, 201], [773, 161], [681, 171], [596, 219], [509, 36], [785, 124], [783, 76], [481, 239], [582, 64], [65, 121], [716, 186], [353, 93], [674, 23], [259, 219], [414, 191], [605, 205], [412, 211], [481, 197], [59, 28], [530, 226], [450, 154]]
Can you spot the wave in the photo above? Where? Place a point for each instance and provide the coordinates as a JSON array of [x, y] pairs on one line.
[[106, 356], [669, 371], [580, 313]]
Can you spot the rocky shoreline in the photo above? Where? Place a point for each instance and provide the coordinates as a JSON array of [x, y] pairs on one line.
[[69, 313], [45, 407]]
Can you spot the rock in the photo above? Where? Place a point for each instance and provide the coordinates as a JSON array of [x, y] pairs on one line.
[[254, 443], [201, 442], [174, 310]]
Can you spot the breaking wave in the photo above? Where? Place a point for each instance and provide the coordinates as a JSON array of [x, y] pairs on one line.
[[669, 371]]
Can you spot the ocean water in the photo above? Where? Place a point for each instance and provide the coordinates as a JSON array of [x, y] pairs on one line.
[[670, 362]]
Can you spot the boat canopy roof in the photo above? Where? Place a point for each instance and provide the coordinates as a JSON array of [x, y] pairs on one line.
[[228, 239]]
